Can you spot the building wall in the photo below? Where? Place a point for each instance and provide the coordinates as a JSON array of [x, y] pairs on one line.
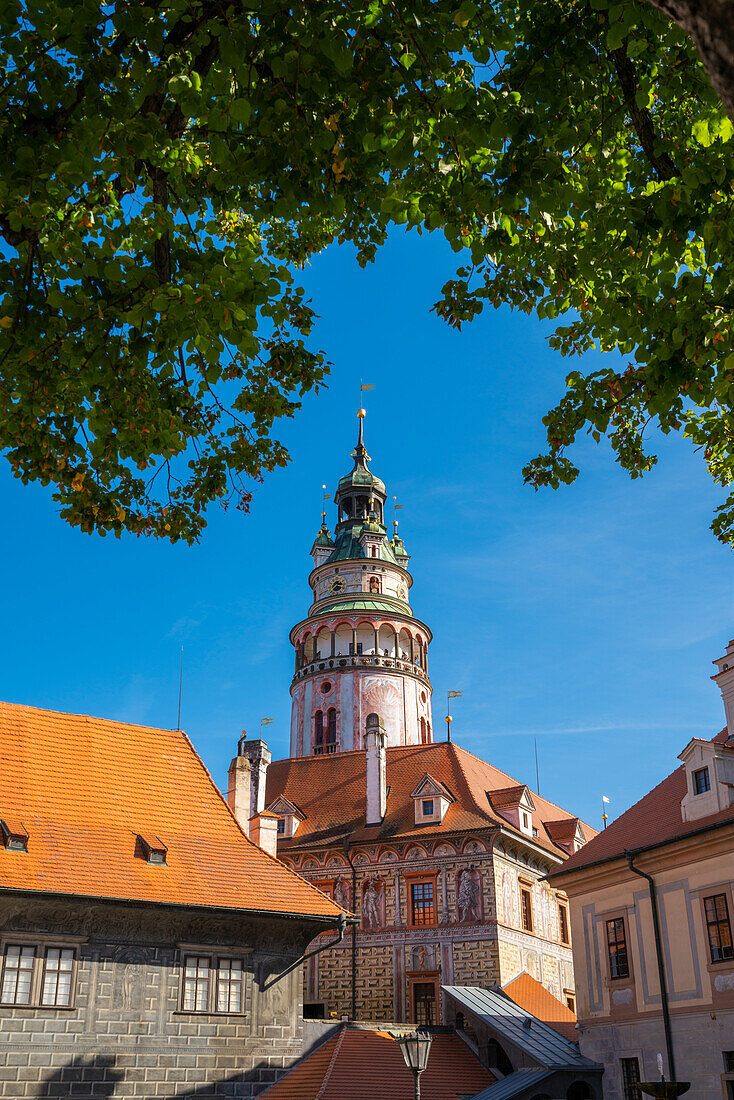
[[458, 949], [125, 1032], [622, 1017]]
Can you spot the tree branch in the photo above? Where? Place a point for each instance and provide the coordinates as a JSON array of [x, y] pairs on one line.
[[641, 117]]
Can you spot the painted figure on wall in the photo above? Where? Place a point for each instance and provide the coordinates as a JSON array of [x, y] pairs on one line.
[[373, 903], [469, 894], [341, 893]]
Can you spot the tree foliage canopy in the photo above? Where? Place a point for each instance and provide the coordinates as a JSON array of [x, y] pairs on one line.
[[167, 168]]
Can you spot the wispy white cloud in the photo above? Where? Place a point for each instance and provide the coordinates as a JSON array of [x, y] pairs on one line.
[[581, 728]]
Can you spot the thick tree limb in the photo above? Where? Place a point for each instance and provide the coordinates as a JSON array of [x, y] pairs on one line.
[[710, 25], [641, 117]]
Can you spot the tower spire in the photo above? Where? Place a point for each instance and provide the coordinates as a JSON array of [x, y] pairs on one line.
[[359, 454]]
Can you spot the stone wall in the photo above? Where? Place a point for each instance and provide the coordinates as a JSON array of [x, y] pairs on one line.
[[125, 1033]]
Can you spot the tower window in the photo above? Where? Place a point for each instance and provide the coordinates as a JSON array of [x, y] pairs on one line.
[[331, 731], [318, 739]]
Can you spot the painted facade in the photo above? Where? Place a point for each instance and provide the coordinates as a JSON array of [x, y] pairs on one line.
[[475, 935], [681, 835]]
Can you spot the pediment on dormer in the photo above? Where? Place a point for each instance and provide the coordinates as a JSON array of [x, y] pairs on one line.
[[429, 787], [282, 807], [566, 833]]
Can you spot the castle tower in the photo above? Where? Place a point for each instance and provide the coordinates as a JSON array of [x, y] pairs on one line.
[[360, 650]]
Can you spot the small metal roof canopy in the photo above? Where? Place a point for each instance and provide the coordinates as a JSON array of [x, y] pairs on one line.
[[544, 1063]]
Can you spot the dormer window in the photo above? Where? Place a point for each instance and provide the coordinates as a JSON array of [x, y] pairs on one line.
[[289, 817], [701, 781], [526, 822], [152, 849], [431, 801], [14, 836]]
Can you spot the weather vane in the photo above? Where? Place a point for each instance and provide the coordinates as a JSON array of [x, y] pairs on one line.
[[449, 696]]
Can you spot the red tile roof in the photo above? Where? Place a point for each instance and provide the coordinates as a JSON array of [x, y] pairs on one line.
[[508, 796], [330, 792], [529, 994], [85, 788], [360, 1064], [655, 819]]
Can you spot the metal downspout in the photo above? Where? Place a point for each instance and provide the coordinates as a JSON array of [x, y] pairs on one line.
[[354, 932], [661, 963]]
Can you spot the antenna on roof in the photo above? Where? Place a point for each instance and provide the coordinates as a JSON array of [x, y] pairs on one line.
[[537, 770], [180, 689]]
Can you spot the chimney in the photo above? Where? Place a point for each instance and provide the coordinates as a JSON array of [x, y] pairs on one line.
[[264, 832], [247, 772], [725, 680], [375, 741]]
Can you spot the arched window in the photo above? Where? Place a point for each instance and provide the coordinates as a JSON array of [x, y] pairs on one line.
[[331, 731], [423, 732], [374, 584], [318, 739]]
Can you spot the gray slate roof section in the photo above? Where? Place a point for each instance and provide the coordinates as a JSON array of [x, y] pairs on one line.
[[538, 1040], [514, 1083]]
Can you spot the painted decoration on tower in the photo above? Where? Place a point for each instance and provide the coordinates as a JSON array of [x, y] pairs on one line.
[[373, 903], [468, 895], [381, 696]]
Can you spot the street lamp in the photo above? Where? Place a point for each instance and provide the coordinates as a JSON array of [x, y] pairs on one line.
[[416, 1047]]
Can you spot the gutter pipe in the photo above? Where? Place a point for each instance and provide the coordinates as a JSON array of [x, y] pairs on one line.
[[661, 964]]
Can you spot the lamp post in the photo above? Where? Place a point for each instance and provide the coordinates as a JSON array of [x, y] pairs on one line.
[[416, 1047]]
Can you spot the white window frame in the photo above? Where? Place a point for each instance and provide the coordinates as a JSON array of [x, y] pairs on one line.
[[40, 970], [215, 958]]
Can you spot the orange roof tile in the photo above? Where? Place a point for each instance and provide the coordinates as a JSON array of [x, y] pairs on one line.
[[655, 819], [85, 788], [360, 1064], [330, 792], [529, 994]]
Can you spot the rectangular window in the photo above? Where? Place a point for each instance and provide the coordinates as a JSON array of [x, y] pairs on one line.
[[570, 1002], [229, 985], [213, 984], [563, 924], [630, 1078], [701, 781], [196, 984], [526, 909], [428, 807], [719, 928], [728, 1061], [17, 975], [422, 903], [58, 963], [424, 1004], [617, 948], [281, 826]]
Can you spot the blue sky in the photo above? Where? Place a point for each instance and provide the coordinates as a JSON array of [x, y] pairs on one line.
[[587, 617]]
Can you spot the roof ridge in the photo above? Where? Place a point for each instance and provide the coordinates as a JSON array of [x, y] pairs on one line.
[[88, 717], [321, 1094], [467, 784], [566, 814], [215, 788]]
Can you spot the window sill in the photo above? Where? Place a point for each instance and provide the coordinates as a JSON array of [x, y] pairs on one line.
[[37, 1007], [216, 1015]]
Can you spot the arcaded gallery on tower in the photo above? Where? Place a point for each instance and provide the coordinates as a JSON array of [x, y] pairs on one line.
[[441, 854]]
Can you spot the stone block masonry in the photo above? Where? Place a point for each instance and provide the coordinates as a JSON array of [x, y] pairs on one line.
[[126, 1032]]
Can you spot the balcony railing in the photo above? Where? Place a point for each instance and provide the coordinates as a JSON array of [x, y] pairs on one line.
[[360, 660]]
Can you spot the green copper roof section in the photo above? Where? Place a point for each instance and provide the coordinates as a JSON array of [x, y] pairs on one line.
[[347, 546], [359, 603]]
